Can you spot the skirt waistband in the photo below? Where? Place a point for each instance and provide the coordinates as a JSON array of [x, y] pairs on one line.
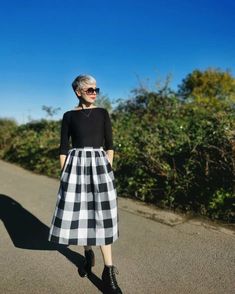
[[87, 148]]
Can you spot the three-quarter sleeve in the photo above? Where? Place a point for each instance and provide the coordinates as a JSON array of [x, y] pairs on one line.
[[64, 135], [108, 135]]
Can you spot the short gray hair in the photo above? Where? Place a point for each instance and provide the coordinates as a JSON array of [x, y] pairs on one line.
[[81, 81]]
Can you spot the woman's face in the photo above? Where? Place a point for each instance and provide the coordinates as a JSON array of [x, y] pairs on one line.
[[87, 93]]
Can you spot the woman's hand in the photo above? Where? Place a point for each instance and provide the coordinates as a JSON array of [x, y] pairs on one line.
[[62, 160], [110, 154]]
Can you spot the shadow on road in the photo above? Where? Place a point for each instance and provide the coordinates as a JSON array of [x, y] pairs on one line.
[[28, 232]]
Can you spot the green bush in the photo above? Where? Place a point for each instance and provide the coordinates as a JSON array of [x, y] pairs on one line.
[[171, 153], [7, 129], [176, 150], [35, 146], [222, 205]]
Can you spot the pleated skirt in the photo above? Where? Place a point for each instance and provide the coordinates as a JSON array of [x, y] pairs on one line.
[[86, 207]]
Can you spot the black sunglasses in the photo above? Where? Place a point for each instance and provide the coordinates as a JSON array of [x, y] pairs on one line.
[[91, 91]]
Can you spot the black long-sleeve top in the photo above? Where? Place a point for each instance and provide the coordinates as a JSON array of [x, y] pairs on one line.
[[93, 131]]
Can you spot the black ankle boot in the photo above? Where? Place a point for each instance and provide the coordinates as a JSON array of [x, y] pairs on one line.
[[89, 261], [109, 280]]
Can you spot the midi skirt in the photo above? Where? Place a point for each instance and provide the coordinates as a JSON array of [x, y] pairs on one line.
[[86, 207]]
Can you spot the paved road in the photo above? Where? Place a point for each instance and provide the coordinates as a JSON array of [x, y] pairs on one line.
[[152, 257]]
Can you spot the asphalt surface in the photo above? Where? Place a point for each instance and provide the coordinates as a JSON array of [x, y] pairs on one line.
[[157, 252]]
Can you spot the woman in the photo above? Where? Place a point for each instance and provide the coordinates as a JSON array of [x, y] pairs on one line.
[[86, 209]]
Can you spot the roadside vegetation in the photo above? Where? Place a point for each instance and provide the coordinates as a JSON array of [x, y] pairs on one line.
[[175, 149]]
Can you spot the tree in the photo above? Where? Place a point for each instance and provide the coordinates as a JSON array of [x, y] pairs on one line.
[[50, 111], [103, 101], [209, 86], [213, 89]]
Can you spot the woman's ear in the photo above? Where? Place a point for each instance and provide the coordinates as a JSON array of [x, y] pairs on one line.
[[78, 93]]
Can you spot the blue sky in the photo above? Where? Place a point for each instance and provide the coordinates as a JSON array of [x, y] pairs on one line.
[[46, 44]]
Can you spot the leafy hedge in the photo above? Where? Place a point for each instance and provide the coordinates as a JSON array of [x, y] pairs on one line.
[[35, 146], [176, 153]]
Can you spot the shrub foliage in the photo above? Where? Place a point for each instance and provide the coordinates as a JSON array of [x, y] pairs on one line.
[[173, 149]]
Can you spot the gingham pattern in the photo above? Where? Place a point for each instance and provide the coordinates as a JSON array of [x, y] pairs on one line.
[[86, 207]]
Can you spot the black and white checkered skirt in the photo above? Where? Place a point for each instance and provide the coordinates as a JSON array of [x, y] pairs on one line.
[[86, 208]]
